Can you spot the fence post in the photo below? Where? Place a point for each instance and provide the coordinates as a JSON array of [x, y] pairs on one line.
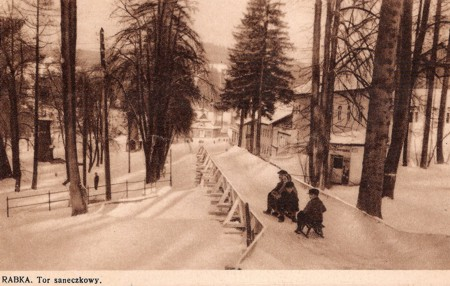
[[87, 188], [144, 188], [248, 225], [7, 207], [49, 202], [126, 187], [171, 167]]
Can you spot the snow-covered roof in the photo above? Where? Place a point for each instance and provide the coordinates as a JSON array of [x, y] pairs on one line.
[[281, 112], [204, 125], [303, 88], [355, 137], [341, 84]]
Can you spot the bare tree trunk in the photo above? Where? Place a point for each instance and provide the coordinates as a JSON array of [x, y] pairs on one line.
[[92, 155], [97, 135], [430, 86], [85, 128], [14, 114], [371, 188], [36, 105], [105, 115], [261, 83], [442, 108], [324, 95], [5, 168], [315, 161], [14, 130], [418, 45], [241, 127], [129, 121], [333, 16], [78, 195], [402, 99], [252, 131]]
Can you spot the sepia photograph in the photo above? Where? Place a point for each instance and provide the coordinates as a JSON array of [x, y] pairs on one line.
[[224, 142]]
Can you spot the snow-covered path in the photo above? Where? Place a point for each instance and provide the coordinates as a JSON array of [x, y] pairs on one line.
[[132, 236], [171, 231], [353, 240]]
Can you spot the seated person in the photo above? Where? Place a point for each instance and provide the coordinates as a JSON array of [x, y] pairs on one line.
[[288, 203], [312, 213], [275, 194]]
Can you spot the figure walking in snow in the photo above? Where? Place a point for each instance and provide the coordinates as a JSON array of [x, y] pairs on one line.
[[96, 179], [312, 214], [275, 194]]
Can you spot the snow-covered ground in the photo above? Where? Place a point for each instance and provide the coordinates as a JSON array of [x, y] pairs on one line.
[[421, 200], [170, 228], [353, 240]]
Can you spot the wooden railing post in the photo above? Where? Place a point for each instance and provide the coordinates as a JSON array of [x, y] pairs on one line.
[[144, 189], [49, 202], [126, 187], [7, 207], [248, 226], [88, 194]]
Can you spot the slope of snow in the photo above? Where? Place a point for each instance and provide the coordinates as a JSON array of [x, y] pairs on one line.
[[421, 200], [168, 229], [353, 239]]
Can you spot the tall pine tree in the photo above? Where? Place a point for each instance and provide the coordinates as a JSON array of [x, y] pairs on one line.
[[259, 74]]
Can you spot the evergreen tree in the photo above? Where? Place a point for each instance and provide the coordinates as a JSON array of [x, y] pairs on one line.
[[259, 74]]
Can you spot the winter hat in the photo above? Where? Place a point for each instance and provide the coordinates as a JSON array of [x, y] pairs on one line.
[[313, 192], [289, 185]]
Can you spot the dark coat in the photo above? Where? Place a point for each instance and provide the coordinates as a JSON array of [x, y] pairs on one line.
[[289, 201], [276, 192], [96, 179], [314, 209]]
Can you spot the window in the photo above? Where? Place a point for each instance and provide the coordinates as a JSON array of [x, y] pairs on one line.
[[339, 115], [348, 113], [338, 162], [414, 114]]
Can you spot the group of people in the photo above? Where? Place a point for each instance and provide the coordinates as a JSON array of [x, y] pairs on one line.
[[283, 201]]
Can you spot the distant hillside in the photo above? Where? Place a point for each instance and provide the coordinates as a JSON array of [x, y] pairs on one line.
[[84, 57], [88, 58], [216, 54]]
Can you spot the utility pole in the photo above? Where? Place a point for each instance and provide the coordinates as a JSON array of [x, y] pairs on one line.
[[36, 104], [105, 115]]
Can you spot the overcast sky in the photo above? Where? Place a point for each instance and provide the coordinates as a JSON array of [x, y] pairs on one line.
[[215, 21]]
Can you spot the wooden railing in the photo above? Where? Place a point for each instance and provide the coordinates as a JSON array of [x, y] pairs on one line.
[[228, 201]]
